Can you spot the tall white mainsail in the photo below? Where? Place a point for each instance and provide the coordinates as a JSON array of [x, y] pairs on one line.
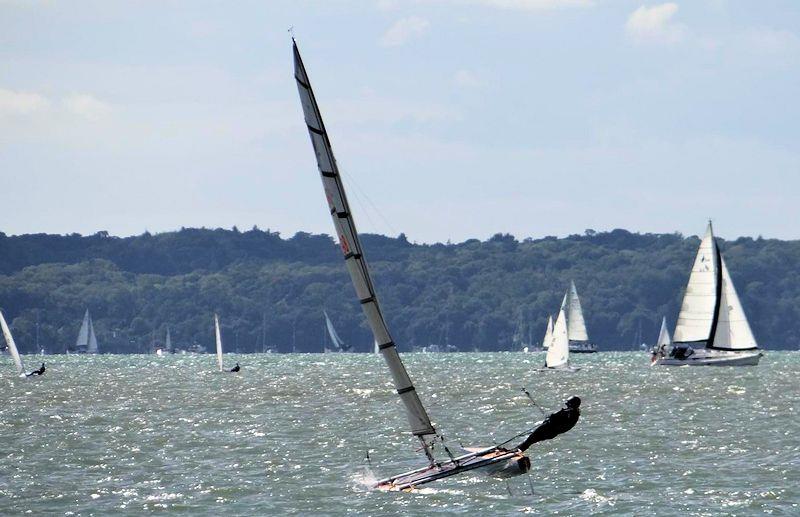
[[548, 334], [335, 339], [663, 335], [218, 338], [700, 300], [12, 346], [354, 258], [733, 330], [576, 325], [558, 351]]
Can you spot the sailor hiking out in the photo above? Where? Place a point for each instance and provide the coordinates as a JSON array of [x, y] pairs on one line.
[[557, 423], [235, 368], [40, 371]]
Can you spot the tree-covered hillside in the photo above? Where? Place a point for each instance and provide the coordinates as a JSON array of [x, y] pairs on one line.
[[270, 291]]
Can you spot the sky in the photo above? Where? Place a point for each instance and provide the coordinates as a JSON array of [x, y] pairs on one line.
[[450, 119]]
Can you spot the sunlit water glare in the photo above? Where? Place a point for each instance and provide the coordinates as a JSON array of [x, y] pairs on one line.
[[289, 434]]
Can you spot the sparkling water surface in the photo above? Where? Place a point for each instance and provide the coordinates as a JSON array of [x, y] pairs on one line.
[[288, 435]]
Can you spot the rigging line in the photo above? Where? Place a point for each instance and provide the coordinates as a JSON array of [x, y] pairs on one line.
[[374, 207], [363, 209]]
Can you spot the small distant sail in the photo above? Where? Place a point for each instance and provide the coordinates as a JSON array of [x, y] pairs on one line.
[[576, 325], [168, 343], [558, 352], [12, 347], [87, 339], [338, 343], [377, 347], [548, 334], [219, 341], [663, 336]]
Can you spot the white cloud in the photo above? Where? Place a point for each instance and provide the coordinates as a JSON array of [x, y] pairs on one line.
[[655, 24], [403, 30], [524, 5], [87, 106], [21, 103], [466, 79]]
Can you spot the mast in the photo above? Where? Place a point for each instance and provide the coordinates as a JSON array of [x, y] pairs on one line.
[[12, 346], [218, 338], [347, 236]]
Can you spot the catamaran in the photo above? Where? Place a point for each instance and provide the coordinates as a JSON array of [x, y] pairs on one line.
[[576, 325], [495, 460], [557, 357], [87, 340], [712, 328], [337, 343]]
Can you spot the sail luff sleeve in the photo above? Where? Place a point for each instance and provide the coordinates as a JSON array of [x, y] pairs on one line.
[[347, 236]]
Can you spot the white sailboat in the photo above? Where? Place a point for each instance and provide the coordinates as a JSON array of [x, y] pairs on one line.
[[499, 461], [87, 340], [557, 357], [548, 333], [664, 340], [712, 328], [12, 346], [576, 325], [337, 343], [218, 337]]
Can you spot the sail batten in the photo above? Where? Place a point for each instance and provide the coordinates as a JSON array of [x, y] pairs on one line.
[[12, 346], [347, 236]]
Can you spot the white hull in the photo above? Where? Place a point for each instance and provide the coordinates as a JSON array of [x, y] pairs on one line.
[[562, 368], [710, 357]]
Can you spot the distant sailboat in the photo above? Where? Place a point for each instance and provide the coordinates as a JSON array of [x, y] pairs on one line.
[[87, 340], [664, 340], [337, 343], [548, 333], [12, 346], [496, 460], [218, 338], [576, 325], [557, 357], [712, 328]]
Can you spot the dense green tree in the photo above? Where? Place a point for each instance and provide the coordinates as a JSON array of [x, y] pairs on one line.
[[270, 291]]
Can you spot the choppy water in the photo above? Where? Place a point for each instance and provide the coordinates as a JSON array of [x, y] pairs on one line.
[[141, 434]]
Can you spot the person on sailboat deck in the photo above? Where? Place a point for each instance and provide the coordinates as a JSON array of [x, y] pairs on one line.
[[236, 368], [557, 423], [40, 371]]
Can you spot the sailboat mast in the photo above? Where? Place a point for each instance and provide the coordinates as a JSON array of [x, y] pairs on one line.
[[347, 236]]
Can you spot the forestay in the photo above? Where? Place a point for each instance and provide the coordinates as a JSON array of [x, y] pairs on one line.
[[576, 326], [699, 302], [12, 347], [558, 352], [218, 337], [732, 330], [351, 248]]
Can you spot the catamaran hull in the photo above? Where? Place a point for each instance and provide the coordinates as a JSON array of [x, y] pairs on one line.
[[717, 359], [497, 463]]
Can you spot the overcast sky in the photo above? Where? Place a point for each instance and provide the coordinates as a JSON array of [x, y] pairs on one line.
[[451, 119]]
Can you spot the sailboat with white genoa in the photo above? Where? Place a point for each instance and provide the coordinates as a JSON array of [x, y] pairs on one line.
[[576, 324], [494, 460], [87, 340], [712, 327], [557, 357]]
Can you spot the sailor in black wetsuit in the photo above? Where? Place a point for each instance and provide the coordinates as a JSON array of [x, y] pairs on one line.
[[235, 368], [557, 423], [40, 371]]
